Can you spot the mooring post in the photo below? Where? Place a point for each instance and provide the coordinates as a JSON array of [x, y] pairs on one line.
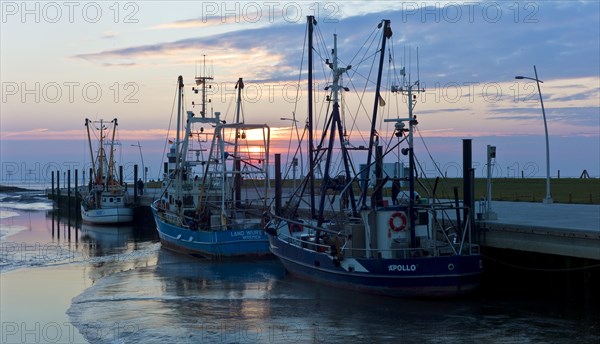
[[135, 178], [467, 182], [58, 186], [77, 201], [53, 185], [69, 197], [120, 175], [278, 184], [52, 221], [473, 234]]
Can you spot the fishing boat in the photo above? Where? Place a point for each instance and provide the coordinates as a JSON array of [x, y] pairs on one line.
[[216, 182], [347, 234], [106, 201]]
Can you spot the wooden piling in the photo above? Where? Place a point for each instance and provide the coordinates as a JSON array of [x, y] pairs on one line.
[[277, 184], [135, 178], [52, 185], [58, 185], [77, 212], [69, 198]]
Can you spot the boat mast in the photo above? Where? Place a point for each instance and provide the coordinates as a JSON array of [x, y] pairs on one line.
[[387, 33], [101, 157], [336, 124], [87, 126], [178, 171], [202, 80], [311, 21], [412, 121], [237, 159], [411, 163], [111, 161]]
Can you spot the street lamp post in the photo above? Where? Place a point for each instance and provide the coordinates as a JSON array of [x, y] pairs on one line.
[[548, 199], [141, 157]]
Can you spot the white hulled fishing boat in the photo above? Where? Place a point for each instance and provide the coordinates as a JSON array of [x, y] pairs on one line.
[[107, 200]]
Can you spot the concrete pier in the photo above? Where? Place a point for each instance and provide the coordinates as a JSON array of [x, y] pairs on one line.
[[571, 230]]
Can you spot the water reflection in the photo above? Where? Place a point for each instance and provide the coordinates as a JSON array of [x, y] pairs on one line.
[[105, 240], [176, 298], [183, 276]]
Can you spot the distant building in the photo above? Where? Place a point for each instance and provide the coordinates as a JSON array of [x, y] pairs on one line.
[[390, 169]]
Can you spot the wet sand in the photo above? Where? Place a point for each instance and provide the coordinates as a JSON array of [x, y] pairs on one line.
[[35, 301]]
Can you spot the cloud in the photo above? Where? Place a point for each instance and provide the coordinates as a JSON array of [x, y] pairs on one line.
[[188, 23], [24, 133], [443, 111], [459, 48], [43, 134], [588, 117], [109, 34]]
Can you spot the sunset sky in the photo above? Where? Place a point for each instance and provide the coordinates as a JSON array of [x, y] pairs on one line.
[[62, 62]]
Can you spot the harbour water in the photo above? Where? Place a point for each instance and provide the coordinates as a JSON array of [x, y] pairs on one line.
[[65, 282]]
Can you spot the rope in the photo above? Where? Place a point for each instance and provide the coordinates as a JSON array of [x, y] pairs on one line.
[[168, 129]]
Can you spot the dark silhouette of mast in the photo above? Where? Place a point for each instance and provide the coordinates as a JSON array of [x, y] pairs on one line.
[[387, 33], [311, 160]]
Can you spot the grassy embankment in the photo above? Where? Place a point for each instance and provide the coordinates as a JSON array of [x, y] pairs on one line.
[[565, 190]]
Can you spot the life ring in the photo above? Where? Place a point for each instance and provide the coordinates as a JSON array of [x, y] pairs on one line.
[[392, 222], [294, 227]]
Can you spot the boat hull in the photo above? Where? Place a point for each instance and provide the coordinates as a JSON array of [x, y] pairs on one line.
[[105, 216], [412, 277], [225, 243]]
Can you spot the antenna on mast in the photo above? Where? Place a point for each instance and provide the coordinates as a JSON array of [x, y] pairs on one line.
[[202, 80], [409, 65], [418, 70]]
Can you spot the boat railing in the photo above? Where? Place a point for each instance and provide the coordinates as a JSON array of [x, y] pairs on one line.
[[308, 242], [464, 232], [404, 253], [173, 219]]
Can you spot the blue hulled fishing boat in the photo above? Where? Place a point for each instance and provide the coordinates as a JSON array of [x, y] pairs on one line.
[[347, 234], [216, 183]]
